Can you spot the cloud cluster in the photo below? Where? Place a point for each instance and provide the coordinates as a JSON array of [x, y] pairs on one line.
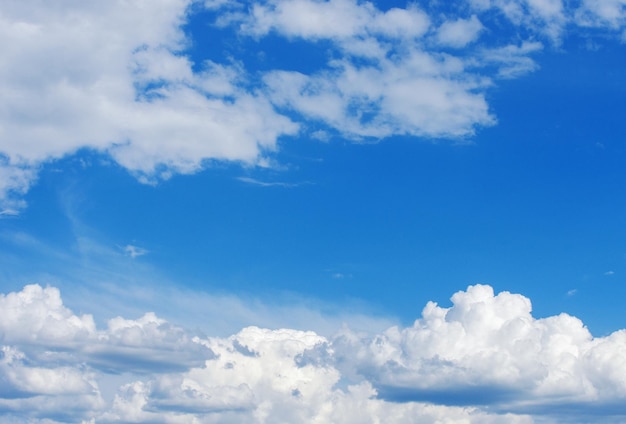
[[484, 359], [490, 349], [118, 77], [386, 79], [112, 77]]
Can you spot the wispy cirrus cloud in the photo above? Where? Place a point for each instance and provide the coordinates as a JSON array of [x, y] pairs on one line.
[[254, 181]]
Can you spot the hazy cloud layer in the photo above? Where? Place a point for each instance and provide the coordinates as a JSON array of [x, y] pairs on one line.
[[116, 77], [484, 359]]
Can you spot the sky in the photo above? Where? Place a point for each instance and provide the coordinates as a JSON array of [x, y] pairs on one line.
[[312, 211]]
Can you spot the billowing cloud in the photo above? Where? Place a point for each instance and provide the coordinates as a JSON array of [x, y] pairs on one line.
[[488, 349], [36, 320], [483, 359]]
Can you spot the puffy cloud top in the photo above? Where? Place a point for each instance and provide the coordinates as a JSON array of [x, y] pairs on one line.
[[484, 359]]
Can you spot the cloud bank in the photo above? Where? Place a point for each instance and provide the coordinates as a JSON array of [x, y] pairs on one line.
[[119, 77], [483, 359]]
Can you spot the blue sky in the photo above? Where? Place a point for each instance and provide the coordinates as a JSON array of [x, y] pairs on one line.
[[232, 169]]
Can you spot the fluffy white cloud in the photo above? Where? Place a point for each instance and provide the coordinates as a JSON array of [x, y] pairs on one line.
[[310, 18], [117, 78], [36, 320], [37, 315], [460, 32], [111, 77], [400, 87], [490, 349], [259, 375], [334, 19], [602, 13], [484, 359], [420, 94]]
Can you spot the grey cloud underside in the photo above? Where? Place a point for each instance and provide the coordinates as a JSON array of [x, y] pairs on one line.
[[116, 77], [484, 359]]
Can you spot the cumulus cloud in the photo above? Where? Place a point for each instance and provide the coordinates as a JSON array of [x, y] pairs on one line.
[[460, 32], [36, 320], [400, 88], [483, 359], [513, 60], [403, 96], [488, 349]]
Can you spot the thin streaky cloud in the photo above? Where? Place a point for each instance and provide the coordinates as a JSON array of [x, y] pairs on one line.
[[254, 181]]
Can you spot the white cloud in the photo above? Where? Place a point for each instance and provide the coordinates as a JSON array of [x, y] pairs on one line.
[[484, 359], [400, 88], [260, 183], [14, 183], [114, 77], [460, 32], [419, 94], [490, 349], [111, 77], [610, 13], [36, 320], [544, 17], [37, 315], [259, 375], [401, 23], [310, 18], [134, 251], [513, 61]]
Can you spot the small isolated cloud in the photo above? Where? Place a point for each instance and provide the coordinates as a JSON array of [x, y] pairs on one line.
[[134, 251], [260, 183], [9, 212], [484, 359], [572, 292], [609, 273], [513, 61], [460, 32]]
